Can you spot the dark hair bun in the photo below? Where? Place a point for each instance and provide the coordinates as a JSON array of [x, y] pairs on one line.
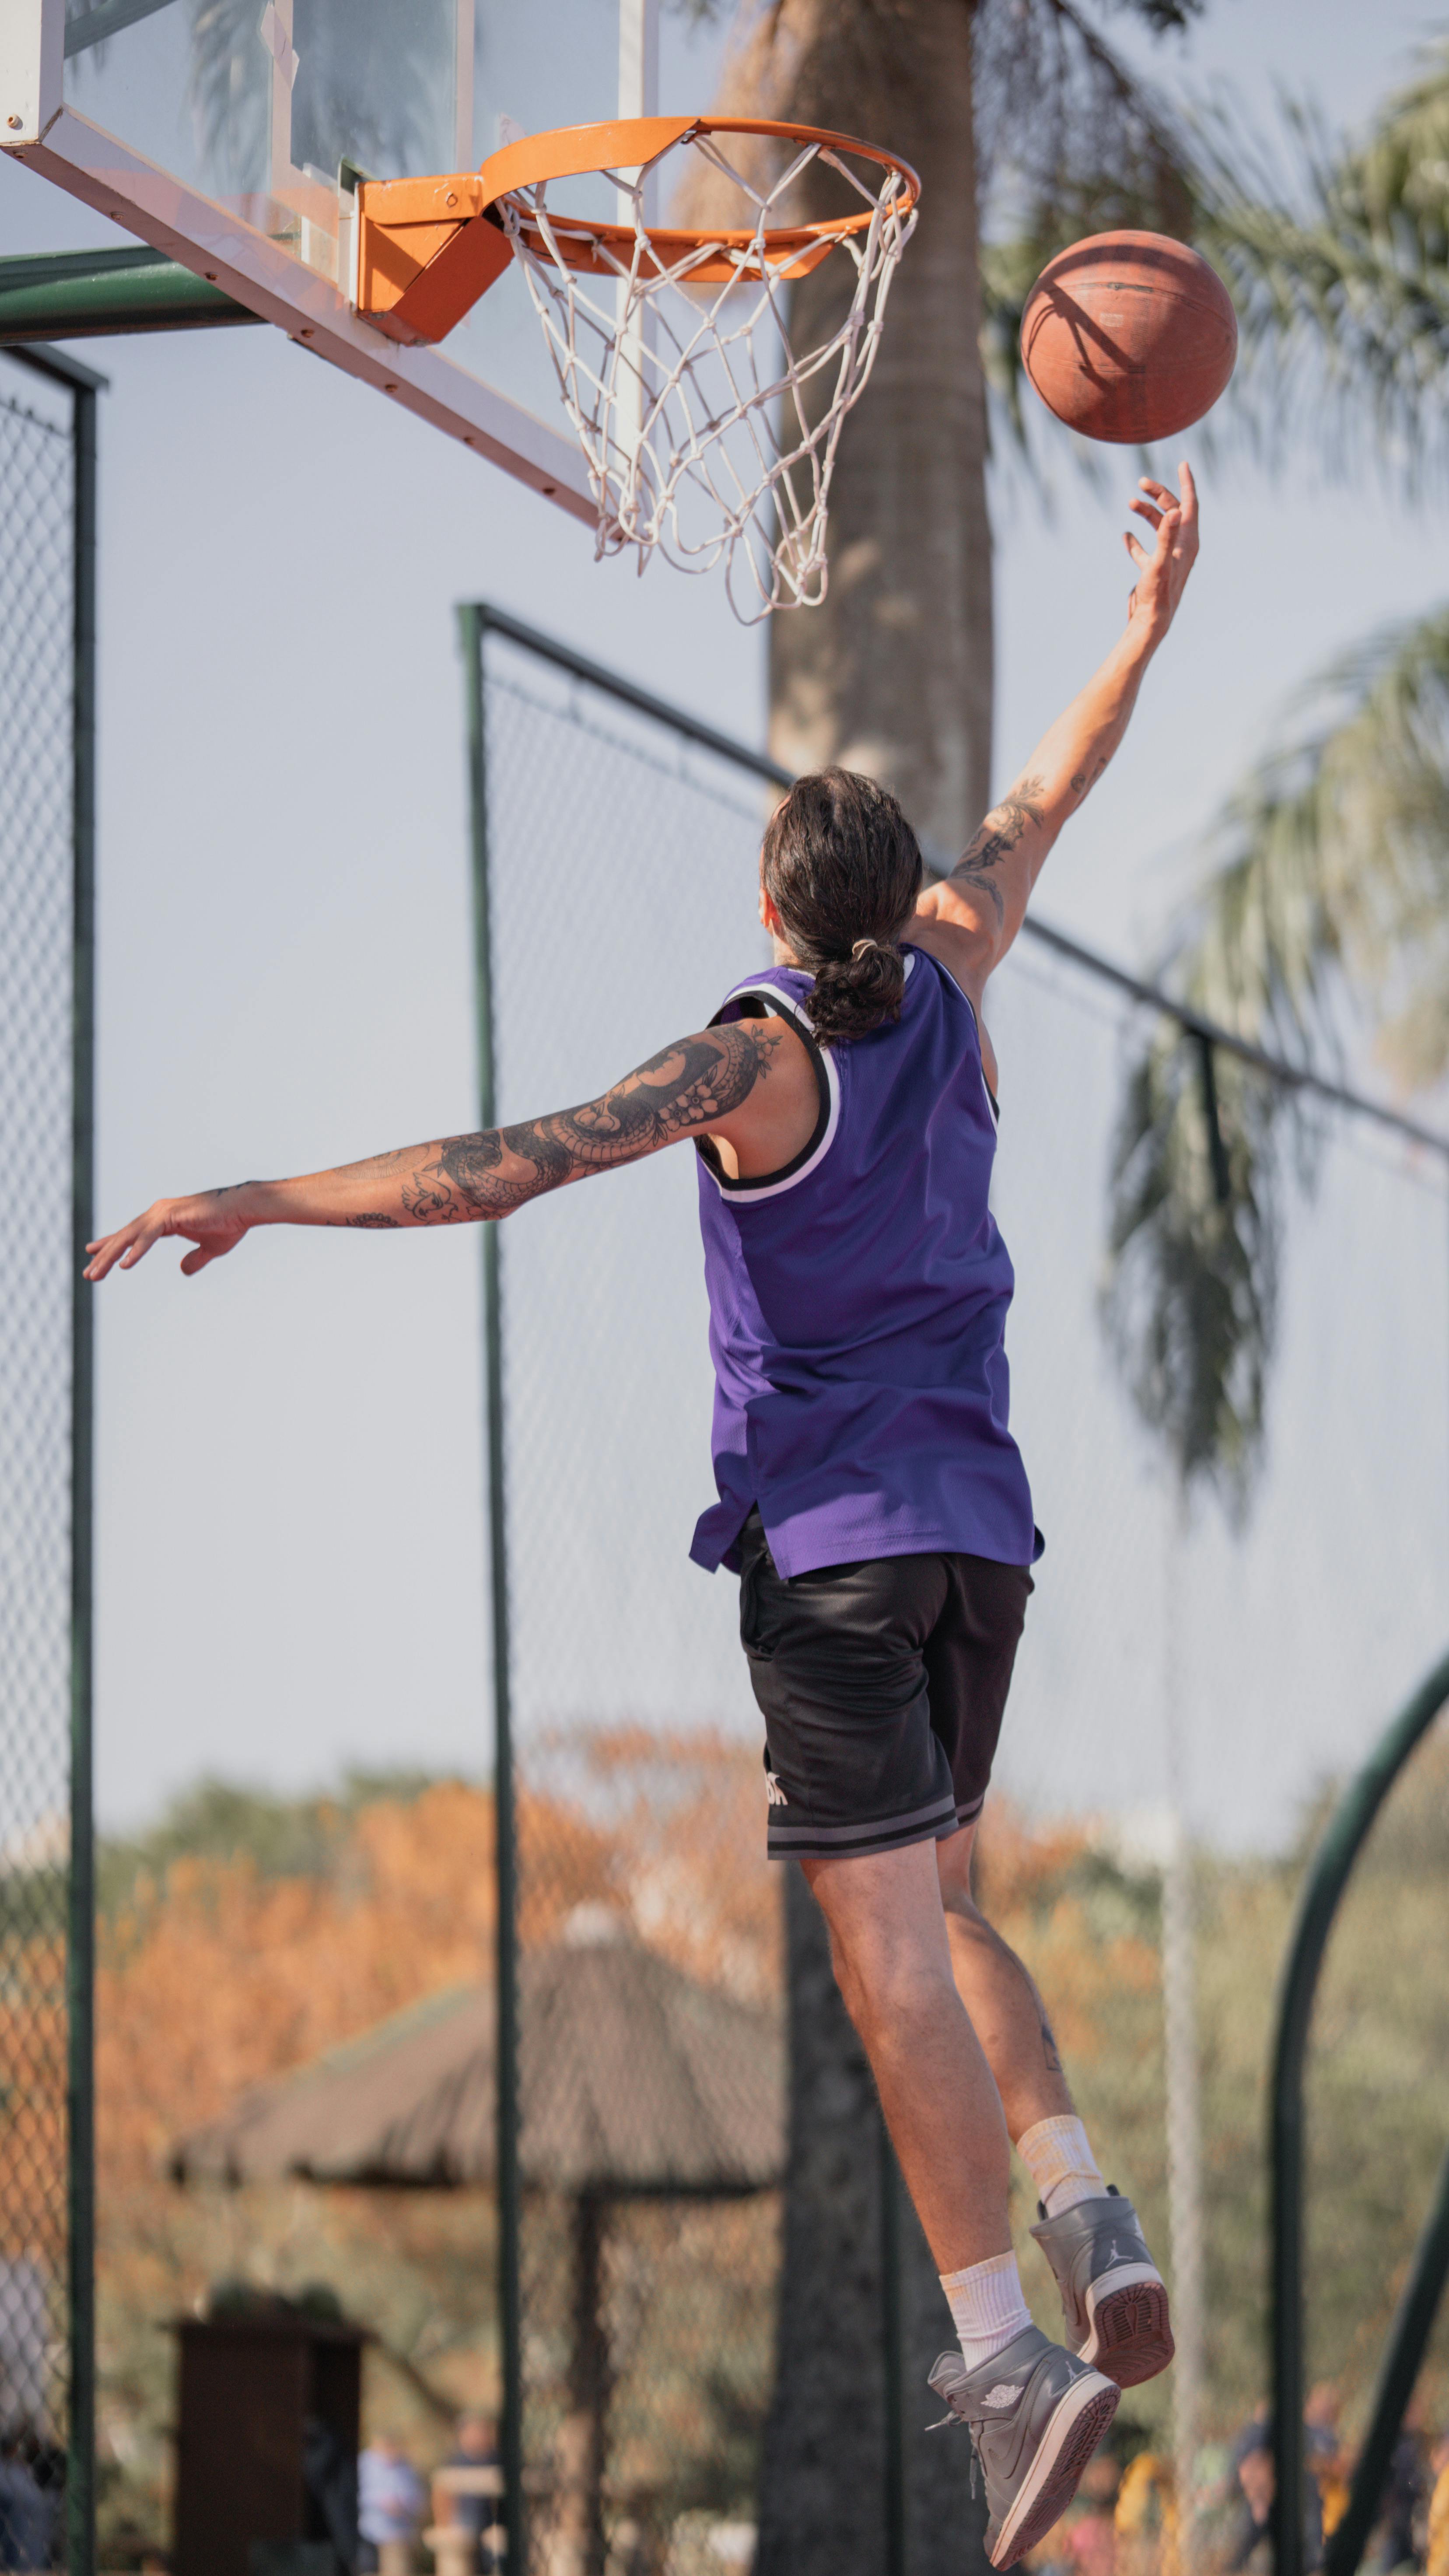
[[854, 995], [843, 869]]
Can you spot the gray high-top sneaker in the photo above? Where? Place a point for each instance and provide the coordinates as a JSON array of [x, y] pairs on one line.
[[1036, 2415], [1113, 2296]]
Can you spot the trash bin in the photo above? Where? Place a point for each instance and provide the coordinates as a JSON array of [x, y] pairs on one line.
[[267, 2438]]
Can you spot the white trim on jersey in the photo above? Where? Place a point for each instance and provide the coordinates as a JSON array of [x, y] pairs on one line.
[[751, 1192]]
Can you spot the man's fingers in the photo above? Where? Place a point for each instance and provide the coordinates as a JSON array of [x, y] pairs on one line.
[[1137, 552], [1188, 489], [131, 1243], [111, 1249]]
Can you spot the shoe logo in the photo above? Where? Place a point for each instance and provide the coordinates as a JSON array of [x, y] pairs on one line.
[[1003, 2394], [773, 1791]]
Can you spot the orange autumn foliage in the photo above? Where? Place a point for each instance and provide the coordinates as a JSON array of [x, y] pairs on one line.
[[214, 1978], [33, 2045]]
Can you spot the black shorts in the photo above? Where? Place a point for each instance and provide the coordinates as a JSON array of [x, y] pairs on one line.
[[882, 1687]]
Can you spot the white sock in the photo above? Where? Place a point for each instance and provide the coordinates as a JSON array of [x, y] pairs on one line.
[[987, 2308], [1061, 2164]]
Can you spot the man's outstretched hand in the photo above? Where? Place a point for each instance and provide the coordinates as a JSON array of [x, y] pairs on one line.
[[1162, 575], [213, 1222]]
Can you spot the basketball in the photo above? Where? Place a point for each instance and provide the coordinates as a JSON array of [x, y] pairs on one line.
[[1129, 337]]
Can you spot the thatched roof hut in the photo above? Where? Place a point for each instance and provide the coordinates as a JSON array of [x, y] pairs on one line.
[[634, 2078]]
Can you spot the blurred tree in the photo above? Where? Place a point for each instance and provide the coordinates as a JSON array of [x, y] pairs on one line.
[[1322, 908]]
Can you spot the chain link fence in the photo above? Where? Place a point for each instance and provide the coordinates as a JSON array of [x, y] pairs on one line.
[[46, 447], [1187, 1688]]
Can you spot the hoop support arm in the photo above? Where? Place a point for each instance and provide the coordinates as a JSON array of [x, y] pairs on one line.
[[427, 249]]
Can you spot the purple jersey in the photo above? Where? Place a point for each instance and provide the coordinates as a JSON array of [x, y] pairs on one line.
[[858, 1302]]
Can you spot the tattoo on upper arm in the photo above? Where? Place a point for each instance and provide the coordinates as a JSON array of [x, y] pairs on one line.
[[684, 1087], [999, 835], [1086, 780]]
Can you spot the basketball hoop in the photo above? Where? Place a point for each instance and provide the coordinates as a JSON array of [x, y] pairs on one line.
[[708, 435]]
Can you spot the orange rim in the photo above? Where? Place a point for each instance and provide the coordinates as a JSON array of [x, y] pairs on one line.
[[600, 250]]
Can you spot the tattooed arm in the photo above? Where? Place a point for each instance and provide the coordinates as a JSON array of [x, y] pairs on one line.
[[750, 1085], [972, 916]]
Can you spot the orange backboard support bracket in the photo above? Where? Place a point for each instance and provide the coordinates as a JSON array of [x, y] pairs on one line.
[[427, 249]]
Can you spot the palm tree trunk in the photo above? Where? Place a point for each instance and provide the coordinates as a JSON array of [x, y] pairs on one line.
[[823, 2483], [894, 673], [823, 2466]]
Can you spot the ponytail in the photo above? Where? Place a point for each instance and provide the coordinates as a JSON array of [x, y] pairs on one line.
[[858, 993]]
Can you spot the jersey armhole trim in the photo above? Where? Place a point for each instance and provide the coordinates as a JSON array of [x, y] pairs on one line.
[[975, 1023], [827, 1080]]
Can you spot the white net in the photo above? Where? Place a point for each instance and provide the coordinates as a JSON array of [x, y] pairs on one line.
[[708, 434]]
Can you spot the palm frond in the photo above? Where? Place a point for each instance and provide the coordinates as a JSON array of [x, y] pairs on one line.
[[1070, 141], [1339, 266], [1190, 1294], [1330, 866], [1328, 872]]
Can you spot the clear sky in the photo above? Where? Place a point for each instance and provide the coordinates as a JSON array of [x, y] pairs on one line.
[[290, 1530]]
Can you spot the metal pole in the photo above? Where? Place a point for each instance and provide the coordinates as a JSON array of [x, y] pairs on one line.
[[1408, 2335], [638, 96], [80, 1926], [1179, 1975], [473, 626], [1184, 2176], [1324, 1886], [78, 295], [895, 2427]]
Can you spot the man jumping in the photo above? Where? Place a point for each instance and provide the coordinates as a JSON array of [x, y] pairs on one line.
[[842, 1104]]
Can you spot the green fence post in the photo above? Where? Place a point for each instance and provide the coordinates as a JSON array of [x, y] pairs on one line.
[[80, 1927], [1318, 1905], [473, 627], [1404, 2351]]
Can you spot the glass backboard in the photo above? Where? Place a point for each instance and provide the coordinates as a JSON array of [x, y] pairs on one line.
[[230, 134]]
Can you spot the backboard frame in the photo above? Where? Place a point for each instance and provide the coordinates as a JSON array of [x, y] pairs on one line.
[[39, 128]]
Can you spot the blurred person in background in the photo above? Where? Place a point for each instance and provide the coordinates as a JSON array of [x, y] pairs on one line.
[[1249, 2435], [1091, 2539], [27, 2511], [1436, 2553], [1404, 2494], [1144, 2518], [391, 2503], [1328, 2457], [1257, 2481], [475, 2448]]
